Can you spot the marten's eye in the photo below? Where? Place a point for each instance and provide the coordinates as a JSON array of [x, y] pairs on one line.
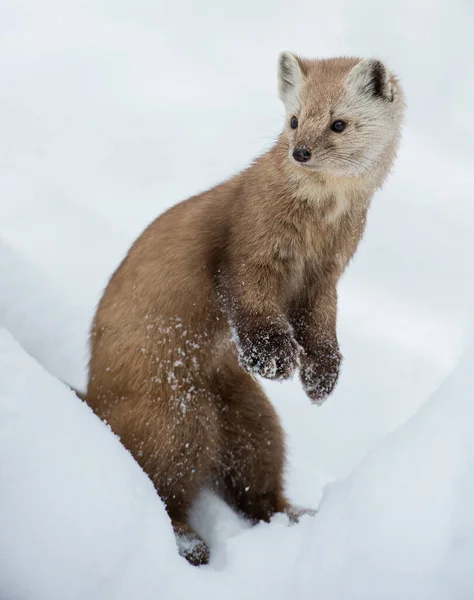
[[294, 123], [338, 126]]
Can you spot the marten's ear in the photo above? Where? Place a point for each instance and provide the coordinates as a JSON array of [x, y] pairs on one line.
[[290, 80], [371, 77]]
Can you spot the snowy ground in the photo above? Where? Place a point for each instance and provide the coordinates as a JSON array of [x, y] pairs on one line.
[[109, 113]]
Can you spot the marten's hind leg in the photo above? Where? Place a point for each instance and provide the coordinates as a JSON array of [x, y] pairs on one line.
[[176, 442], [250, 475]]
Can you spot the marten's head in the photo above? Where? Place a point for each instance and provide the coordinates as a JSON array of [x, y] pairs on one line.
[[341, 113]]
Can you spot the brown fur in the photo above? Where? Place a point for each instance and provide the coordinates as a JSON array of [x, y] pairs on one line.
[[260, 254]]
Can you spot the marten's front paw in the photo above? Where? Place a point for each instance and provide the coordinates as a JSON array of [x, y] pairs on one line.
[[270, 353], [319, 372]]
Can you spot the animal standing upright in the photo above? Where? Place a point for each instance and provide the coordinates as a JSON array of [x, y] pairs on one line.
[[241, 281]]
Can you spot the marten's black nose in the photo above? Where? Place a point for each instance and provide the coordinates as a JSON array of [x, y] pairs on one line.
[[301, 154]]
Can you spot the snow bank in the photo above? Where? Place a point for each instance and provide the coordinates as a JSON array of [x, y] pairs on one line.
[[402, 526], [78, 518]]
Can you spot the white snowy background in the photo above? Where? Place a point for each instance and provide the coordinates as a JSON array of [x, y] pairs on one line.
[[110, 112]]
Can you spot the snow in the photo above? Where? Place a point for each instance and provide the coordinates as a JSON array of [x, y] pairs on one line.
[[402, 526], [74, 510], [110, 113]]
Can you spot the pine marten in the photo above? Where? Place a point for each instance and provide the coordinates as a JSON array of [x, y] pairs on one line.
[[241, 281]]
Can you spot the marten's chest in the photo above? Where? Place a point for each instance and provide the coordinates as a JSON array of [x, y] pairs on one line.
[[323, 241]]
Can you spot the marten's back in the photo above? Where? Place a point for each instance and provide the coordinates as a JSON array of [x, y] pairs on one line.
[[162, 298], [169, 268]]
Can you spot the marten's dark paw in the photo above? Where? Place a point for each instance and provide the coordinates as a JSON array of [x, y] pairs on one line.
[[192, 547], [319, 372], [270, 353]]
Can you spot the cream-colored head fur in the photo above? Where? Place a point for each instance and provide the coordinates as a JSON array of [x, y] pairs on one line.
[[360, 92]]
